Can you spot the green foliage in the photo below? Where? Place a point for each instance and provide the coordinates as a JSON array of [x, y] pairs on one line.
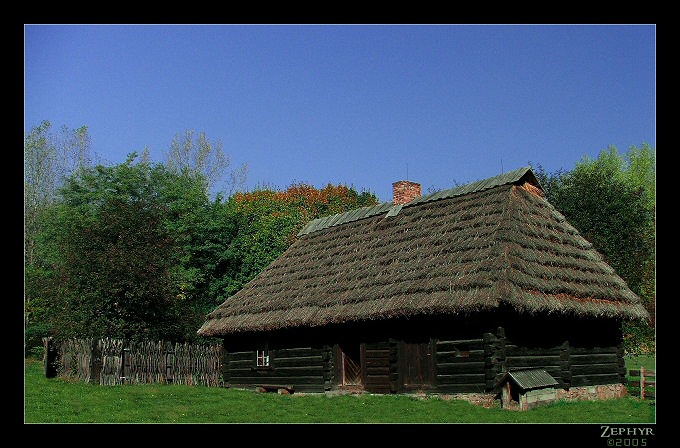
[[138, 250], [49, 157], [208, 260], [267, 222], [612, 202], [114, 255]]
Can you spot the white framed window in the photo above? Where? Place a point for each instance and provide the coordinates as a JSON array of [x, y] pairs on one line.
[[262, 358]]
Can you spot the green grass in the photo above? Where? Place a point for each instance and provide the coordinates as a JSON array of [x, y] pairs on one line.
[[58, 400], [635, 362]]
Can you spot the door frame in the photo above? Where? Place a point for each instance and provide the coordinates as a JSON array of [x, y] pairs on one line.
[[354, 349], [427, 364]]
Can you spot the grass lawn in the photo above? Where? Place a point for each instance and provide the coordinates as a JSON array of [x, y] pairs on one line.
[[57, 400], [635, 362]]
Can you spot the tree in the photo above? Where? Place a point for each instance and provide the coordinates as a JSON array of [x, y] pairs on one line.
[[116, 253], [48, 158], [611, 200], [267, 222], [195, 153], [139, 250]]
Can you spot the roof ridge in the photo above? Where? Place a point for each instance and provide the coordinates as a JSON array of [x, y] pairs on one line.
[[389, 207]]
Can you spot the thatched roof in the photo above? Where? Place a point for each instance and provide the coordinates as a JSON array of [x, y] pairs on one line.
[[471, 248]]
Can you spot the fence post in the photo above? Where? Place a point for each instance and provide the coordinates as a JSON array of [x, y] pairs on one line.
[[50, 358], [169, 365], [642, 382], [123, 361]]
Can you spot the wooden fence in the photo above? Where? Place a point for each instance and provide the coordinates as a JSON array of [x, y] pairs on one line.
[[642, 383], [114, 361]]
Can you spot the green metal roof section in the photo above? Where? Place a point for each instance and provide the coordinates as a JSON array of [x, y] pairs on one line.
[[393, 210], [480, 185], [528, 379], [342, 218]]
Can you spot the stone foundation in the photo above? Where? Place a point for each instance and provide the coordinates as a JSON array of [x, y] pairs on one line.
[[483, 400], [529, 401], [543, 396], [600, 392]]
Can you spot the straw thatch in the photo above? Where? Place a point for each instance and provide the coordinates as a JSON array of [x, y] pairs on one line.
[[471, 248]]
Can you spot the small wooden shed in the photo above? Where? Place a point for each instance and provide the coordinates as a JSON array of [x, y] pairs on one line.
[[524, 389]]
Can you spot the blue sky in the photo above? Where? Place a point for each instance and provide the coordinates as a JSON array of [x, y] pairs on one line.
[[359, 105]]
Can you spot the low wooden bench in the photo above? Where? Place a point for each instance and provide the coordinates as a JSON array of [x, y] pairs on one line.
[[281, 389]]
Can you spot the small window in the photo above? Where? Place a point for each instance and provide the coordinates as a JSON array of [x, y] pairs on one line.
[[262, 355]]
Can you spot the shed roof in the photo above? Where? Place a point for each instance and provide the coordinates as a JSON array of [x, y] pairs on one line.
[[471, 248], [528, 379]]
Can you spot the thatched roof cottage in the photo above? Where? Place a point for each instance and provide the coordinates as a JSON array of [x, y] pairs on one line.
[[442, 293]]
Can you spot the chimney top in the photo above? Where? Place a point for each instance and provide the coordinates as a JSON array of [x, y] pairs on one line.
[[405, 191]]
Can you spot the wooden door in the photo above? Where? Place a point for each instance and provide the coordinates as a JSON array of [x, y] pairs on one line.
[[417, 365]]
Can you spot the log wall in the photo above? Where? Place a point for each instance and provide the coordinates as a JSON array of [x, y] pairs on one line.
[[378, 367], [469, 356], [460, 365], [304, 369]]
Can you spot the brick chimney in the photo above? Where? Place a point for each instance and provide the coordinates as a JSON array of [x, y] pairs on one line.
[[405, 191]]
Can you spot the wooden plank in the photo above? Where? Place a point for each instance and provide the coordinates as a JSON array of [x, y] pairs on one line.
[[379, 345], [533, 361], [294, 371], [472, 378], [377, 362], [593, 359], [378, 389], [277, 373], [298, 362], [461, 388], [377, 382], [296, 352], [591, 380], [452, 357], [241, 356], [526, 351], [457, 368], [384, 370], [377, 353], [297, 371], [594, 369], [594, 350], [471, 344]]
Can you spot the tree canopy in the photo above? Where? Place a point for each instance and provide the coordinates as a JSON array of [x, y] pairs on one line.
[[611, 200], [140, 250]]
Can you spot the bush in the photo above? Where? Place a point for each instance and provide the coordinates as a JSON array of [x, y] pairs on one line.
[[35, 352], [33, 336]]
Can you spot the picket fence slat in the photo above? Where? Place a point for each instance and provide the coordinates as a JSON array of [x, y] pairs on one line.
[[113, 361]]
